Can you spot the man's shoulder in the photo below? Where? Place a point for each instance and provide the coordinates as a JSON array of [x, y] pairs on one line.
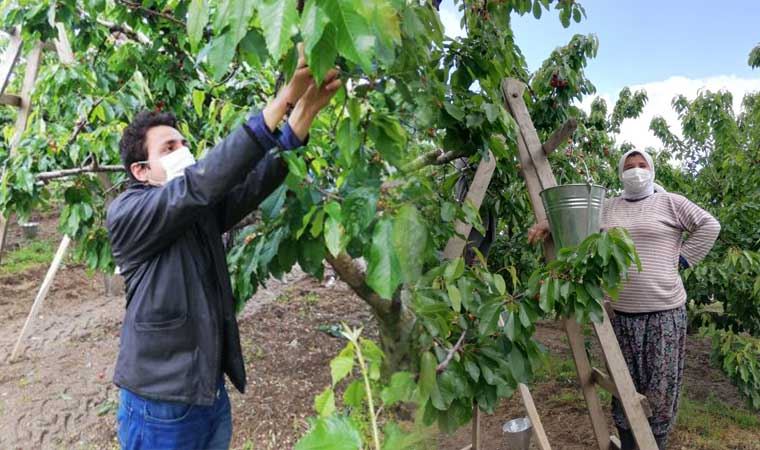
[[122, 203]]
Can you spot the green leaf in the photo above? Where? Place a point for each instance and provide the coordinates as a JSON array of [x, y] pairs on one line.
[[400, 389], [322, 52], [196, 22], [331, 433], [454, 269], [492, 111], [374, 357], [454, 297], [383, 271], [465, 290], [341, 365], [454, 110], [501, 286], [272, 205], [389, 137], [510, 327], [296, 165], [396, 439], [198, 98], [354, 394], [253, 48], [334, 236], [317, 224], [489, 316], [472, 369], [355, 39], [280, 18], [313, 22], [537, 9], [427, 381], [348, 139], [220, 54], [410, 236], [324, 403]]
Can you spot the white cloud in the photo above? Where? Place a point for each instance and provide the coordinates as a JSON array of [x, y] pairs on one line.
[[661, 94]]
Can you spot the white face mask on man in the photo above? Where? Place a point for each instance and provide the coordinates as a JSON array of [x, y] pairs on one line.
[[175, 163], [637, 181]]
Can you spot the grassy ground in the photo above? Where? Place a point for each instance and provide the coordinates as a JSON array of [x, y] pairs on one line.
[[710, 424], [26, 257]]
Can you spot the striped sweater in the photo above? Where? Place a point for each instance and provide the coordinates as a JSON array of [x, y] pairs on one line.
[[657, 224]]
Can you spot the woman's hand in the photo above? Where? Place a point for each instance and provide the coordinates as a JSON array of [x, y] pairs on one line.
[[538, 232]]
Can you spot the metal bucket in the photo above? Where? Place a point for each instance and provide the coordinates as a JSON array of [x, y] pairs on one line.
[[30, 229], [574, 212], [517, 433]]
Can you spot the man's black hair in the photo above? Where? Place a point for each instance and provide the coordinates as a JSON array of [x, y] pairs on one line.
[[132, 145]]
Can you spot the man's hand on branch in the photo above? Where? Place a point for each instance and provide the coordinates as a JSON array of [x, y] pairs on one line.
[[289, 95], [313, 100]]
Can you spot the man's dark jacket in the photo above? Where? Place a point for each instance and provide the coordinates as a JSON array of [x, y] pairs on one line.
[[179, 332]]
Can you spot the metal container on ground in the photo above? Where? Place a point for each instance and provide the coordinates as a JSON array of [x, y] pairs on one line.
[[574, 212], [517, 433], [30, 229]]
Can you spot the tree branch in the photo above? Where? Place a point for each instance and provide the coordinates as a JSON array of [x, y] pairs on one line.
[[442, 366], [435, 157], [151, 12], [46, 176], [349, 271], [560, 135]]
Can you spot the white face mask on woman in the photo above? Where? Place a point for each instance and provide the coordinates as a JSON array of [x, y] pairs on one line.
[[637, 183]]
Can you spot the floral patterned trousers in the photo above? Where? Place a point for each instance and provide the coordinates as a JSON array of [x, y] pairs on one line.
[[654, 347]]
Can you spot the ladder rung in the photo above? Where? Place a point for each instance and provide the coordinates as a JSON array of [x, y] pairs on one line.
[[602, 380], [9, 99]]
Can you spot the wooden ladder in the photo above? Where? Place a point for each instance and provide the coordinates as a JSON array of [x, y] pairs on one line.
[[538, 176], [23, 101]]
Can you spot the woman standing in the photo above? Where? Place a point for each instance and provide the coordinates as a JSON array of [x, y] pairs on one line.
[[650, 315]]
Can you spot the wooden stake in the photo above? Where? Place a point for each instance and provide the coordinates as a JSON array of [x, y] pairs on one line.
[[454, 248], [32, 66], [475, 195], [10, 57], [42, 293], [538, 428]]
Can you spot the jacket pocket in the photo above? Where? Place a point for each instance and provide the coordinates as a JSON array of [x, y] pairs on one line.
[[161, 325], [168, 314]]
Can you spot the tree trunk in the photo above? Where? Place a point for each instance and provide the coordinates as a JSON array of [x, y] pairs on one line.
[[394, 320], [396, 337]]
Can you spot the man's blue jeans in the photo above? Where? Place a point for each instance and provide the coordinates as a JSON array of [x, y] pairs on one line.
[[146, 424]]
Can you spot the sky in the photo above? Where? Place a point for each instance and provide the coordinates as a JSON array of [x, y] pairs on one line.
[[666, 47]]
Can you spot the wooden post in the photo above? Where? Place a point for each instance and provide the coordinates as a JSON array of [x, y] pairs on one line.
[[32, 66], [454, 248], [538, 428], [475, 195], [538, 176], [10, 57], [42, 292]]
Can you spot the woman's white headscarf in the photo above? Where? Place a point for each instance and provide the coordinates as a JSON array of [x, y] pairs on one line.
[[652, 188]]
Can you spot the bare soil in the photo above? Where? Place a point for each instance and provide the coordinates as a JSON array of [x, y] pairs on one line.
[[59, 393]]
